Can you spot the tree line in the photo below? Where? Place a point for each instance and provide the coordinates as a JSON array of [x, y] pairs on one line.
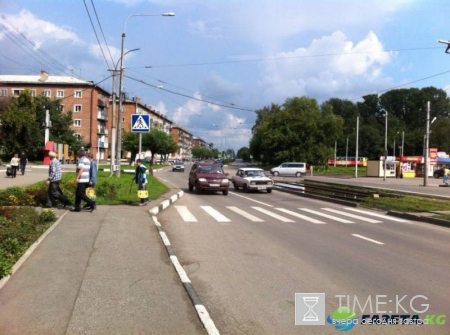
[[301, 129]]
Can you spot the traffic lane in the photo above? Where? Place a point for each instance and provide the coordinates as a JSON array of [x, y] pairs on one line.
[[204, 245]]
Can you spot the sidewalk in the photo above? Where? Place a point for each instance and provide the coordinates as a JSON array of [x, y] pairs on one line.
[[105, 272]]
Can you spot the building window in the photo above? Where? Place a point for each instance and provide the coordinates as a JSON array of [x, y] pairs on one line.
[[4, 93], [123, 119], [16, 92], [47, 93], [61, 108], [78, 94], [60, 94], [77, 123], [77, 109], [33, 93], [77, 136]]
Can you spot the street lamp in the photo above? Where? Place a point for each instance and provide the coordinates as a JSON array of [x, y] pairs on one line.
[[114, 117], [394, 142], [385, 143], [119, 132]]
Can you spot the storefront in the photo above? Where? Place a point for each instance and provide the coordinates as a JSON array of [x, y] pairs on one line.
[[407, 166]]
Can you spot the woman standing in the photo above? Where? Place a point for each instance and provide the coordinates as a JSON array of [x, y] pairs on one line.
[[14, 165], [140, 178]]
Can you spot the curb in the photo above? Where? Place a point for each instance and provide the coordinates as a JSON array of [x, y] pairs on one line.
[[200, 308], [29, 251], [409, 216]]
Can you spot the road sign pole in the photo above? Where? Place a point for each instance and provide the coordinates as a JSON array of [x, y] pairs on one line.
[[140, 145]]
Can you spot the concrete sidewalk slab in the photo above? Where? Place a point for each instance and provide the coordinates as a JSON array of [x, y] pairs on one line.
[[105, 272]]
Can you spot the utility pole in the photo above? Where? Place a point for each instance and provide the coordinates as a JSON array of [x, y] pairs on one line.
[[427, 143], [357, 144], [48, 124], [114, 126], [385, 146]]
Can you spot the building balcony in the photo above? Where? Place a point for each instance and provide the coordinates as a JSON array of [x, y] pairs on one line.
[[102, 116], [102, 130]]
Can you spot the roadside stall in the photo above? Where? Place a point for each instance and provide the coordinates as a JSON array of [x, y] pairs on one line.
[[376, 168], [408, 166]]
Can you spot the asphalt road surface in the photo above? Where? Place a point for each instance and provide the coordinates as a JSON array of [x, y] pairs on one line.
[[248, 254]]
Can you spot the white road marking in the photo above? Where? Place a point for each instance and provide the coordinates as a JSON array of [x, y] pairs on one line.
[[386, 217], [186, 215], [276, 216], [245, 214], [164, 238], [362, 218], [215, 214], [326, 215], [183, 276], [303, 217], [367, 239], [206, 320], [259, 202]]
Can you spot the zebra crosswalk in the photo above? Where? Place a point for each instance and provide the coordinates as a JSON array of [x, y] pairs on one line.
[[325, 215]]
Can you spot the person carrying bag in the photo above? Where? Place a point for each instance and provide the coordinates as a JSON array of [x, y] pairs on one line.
[[90, 190], [140, 178]]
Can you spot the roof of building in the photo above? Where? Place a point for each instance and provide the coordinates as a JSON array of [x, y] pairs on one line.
[[37, 79]]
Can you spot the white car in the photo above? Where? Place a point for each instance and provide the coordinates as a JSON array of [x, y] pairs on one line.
[[252, 179]]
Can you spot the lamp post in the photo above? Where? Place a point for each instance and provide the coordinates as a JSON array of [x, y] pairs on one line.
[[385, 144], [357, 145], [119, 132], [394, 143]]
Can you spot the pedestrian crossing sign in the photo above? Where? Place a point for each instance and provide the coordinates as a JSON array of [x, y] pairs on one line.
[[140, 123]]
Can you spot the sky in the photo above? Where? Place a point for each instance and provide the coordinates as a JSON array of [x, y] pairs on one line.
[[216, 62]]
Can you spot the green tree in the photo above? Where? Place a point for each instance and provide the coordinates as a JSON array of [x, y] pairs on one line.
[[22, 125], [244, 154]]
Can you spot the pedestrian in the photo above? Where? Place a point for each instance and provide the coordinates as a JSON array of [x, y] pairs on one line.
[[23, 162], [311, 170], [92, 173], [82, 181], [14, 165], [54, 179], [446, 175], [140, 178]]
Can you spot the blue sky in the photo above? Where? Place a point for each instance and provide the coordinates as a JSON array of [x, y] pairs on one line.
[[244, 54]]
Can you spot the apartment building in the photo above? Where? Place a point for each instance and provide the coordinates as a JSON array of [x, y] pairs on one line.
[[88, 102], [183, 139], [199, 143]]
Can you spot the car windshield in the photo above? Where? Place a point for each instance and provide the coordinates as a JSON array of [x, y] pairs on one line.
[[254, 173], [210, 169]]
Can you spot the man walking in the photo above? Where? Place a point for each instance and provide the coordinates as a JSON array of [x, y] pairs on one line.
[[23, 161], [92, 173], [54, 178], [82, 181]]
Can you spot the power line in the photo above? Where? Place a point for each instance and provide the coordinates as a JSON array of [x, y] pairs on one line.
[[191, 97], [293, 57], [96, 36], [101, 29]]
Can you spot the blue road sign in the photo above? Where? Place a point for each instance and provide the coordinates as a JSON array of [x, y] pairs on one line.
[[140, 123]]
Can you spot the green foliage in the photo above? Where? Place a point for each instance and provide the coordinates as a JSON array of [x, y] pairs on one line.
[[244, 154], [19, 228], [22, 128]]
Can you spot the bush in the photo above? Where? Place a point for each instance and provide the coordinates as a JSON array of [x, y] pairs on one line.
[[19, 228]]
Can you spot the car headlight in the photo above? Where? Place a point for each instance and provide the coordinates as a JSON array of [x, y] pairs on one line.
[[252, 183], [270, 183], [202, 180], [225, 181]]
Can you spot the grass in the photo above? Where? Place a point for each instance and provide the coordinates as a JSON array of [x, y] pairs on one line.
[[408, 204]]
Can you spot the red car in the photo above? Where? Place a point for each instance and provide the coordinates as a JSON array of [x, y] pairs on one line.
[[208, 176]]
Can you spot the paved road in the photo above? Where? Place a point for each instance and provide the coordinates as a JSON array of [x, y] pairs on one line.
[[248, 254]]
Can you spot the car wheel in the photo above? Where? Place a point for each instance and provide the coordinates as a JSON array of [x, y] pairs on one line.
[[191, 187], [236, 187], [436, 175], [276, 173], [298, 174], [246, 188], [182, 170], [269, 190], [197, 189], [225, 192]]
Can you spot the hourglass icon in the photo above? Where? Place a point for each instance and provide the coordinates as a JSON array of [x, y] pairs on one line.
[[310, 315]]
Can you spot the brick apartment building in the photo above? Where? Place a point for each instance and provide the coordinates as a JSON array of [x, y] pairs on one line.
[[88, 102], [184, 140], [199, 143]]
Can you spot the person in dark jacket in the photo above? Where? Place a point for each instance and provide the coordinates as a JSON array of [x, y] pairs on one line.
[[140, 178]]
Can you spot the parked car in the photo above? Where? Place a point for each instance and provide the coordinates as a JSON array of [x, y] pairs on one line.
[[178, 166], [289, 169], [208, 176], [252, 179]]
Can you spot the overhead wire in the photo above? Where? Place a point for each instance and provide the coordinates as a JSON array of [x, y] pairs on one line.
[[101, 29], [96, 36]]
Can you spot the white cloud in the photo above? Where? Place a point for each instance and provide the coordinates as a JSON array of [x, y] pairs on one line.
[[182, 115], [206, 28], [38, 30], [331, 66]]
